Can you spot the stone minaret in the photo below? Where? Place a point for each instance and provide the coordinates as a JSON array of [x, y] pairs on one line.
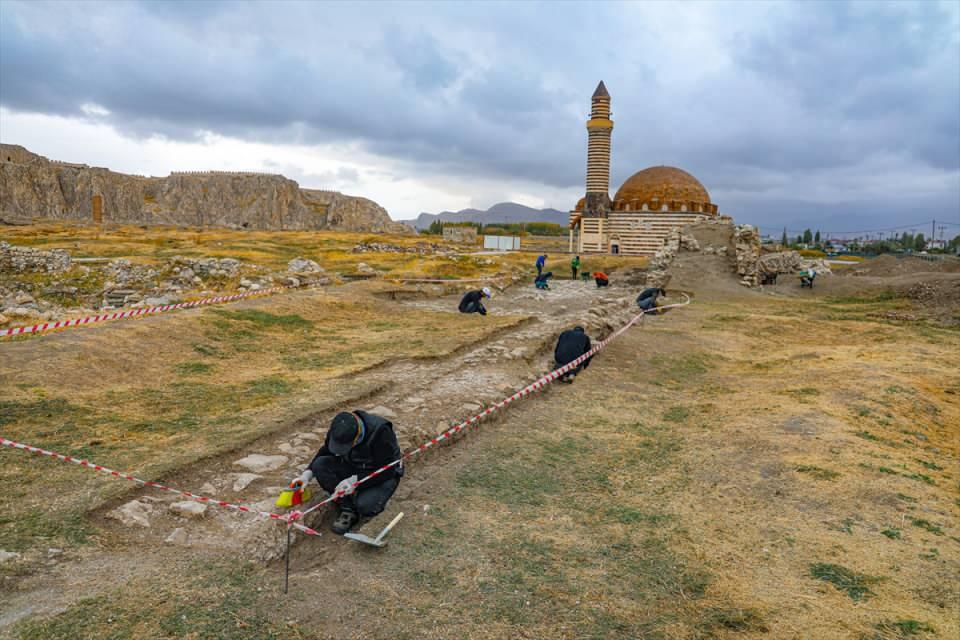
[[599, 127]]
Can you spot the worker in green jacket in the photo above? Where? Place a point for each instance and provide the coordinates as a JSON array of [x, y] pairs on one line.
[[575, 266]]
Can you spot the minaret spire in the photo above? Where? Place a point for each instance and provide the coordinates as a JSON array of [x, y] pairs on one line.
[[599, 128]]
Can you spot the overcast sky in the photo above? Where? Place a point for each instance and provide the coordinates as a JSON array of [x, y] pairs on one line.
[[832, 115]]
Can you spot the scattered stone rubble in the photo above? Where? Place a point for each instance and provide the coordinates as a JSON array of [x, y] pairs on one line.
[[208, 267], [16, 259], [302, 266], [420, 248], [780, 262], [128, 284]]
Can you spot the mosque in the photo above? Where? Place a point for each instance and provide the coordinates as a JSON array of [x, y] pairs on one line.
[[648, 205]]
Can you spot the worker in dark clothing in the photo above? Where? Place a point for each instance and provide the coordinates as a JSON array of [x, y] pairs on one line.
[[541, 263], [601, 279], [571, 345], [541, 281], [472, 301], [357, 444], [575, 266], [647, 299]]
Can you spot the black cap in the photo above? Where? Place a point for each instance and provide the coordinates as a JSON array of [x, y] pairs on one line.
[[345, 432]]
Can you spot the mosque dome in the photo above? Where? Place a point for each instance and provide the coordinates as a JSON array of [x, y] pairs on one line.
[[663, 189]]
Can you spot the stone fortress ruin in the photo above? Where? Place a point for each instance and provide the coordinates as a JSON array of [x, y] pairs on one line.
[[644, 210]]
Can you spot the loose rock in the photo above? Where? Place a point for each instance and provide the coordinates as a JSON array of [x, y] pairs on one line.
[[259, 463], [8, 556], [243, 480], [189, 509], [133, 513], [178, 537]]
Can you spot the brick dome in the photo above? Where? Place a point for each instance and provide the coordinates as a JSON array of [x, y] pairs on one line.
[[657, 187]]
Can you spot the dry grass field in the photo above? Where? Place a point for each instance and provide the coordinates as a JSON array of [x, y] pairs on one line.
[[273, 249], [778, 464]]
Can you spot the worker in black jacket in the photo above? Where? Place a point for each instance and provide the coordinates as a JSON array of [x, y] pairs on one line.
[[571, 345], [472, 301], [647, 299], [357, 444]]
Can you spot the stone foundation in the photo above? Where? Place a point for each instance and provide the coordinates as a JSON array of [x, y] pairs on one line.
[[15, 259]]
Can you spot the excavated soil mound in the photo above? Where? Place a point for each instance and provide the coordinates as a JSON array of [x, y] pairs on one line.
[[707, 276], [888, 265]]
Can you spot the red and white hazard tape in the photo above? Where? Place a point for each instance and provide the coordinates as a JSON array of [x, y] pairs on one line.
[[77, 322], [155, 485], [291, 518]]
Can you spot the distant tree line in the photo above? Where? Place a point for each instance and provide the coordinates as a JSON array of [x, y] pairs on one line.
[[503, 228], [896, 243]]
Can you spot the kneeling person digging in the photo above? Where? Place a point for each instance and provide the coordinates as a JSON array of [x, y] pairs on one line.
[[357, 444], [571, 345]]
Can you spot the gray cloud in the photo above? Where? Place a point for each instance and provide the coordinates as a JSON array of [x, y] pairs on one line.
[[759, 101]]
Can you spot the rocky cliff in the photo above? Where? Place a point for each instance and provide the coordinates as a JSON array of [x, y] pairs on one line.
[[32, 186]]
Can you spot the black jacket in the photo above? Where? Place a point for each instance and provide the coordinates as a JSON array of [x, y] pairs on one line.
[[652, 292], [471, 297], [570, 346], [378, 448]]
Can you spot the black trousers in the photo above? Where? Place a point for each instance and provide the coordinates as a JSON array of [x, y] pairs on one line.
[[367, 500], [574, 269], [474, 307]]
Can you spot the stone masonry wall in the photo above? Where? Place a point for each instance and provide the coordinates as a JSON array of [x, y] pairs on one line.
[[14, 259]]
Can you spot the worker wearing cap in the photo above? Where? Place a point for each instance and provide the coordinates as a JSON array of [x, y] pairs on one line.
[[647, 299], [358, 443], [571, 345], [472, 301]]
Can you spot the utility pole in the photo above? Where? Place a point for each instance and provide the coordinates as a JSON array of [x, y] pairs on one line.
[[933, 229]]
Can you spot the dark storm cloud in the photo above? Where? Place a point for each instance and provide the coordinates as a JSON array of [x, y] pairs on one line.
[[756, 100]]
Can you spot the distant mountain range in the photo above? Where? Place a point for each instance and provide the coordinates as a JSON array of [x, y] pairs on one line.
[[503, 212]]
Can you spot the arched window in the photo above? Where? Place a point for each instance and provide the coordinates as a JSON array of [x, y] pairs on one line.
[[644, 207], [683, 207], [663, 208]]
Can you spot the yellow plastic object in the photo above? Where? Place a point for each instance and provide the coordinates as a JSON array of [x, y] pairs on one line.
[[292, 497], [286, 498]]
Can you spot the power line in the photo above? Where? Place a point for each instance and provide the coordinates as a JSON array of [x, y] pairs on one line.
[[878, 230]]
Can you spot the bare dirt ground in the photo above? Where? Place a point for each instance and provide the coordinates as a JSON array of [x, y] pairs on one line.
[[771, 464]]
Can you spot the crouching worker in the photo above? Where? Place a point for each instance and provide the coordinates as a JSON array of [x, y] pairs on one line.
[[602, 279], [647, 299], [541, 281], [357, 444], [571, 345], [472, 301]]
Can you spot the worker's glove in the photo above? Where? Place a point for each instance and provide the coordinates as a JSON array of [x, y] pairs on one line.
[[346, 486], [302, 481]]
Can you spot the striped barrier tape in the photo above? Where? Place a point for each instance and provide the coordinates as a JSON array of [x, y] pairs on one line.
[[291, 518], [156, 485], [77, 322]]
